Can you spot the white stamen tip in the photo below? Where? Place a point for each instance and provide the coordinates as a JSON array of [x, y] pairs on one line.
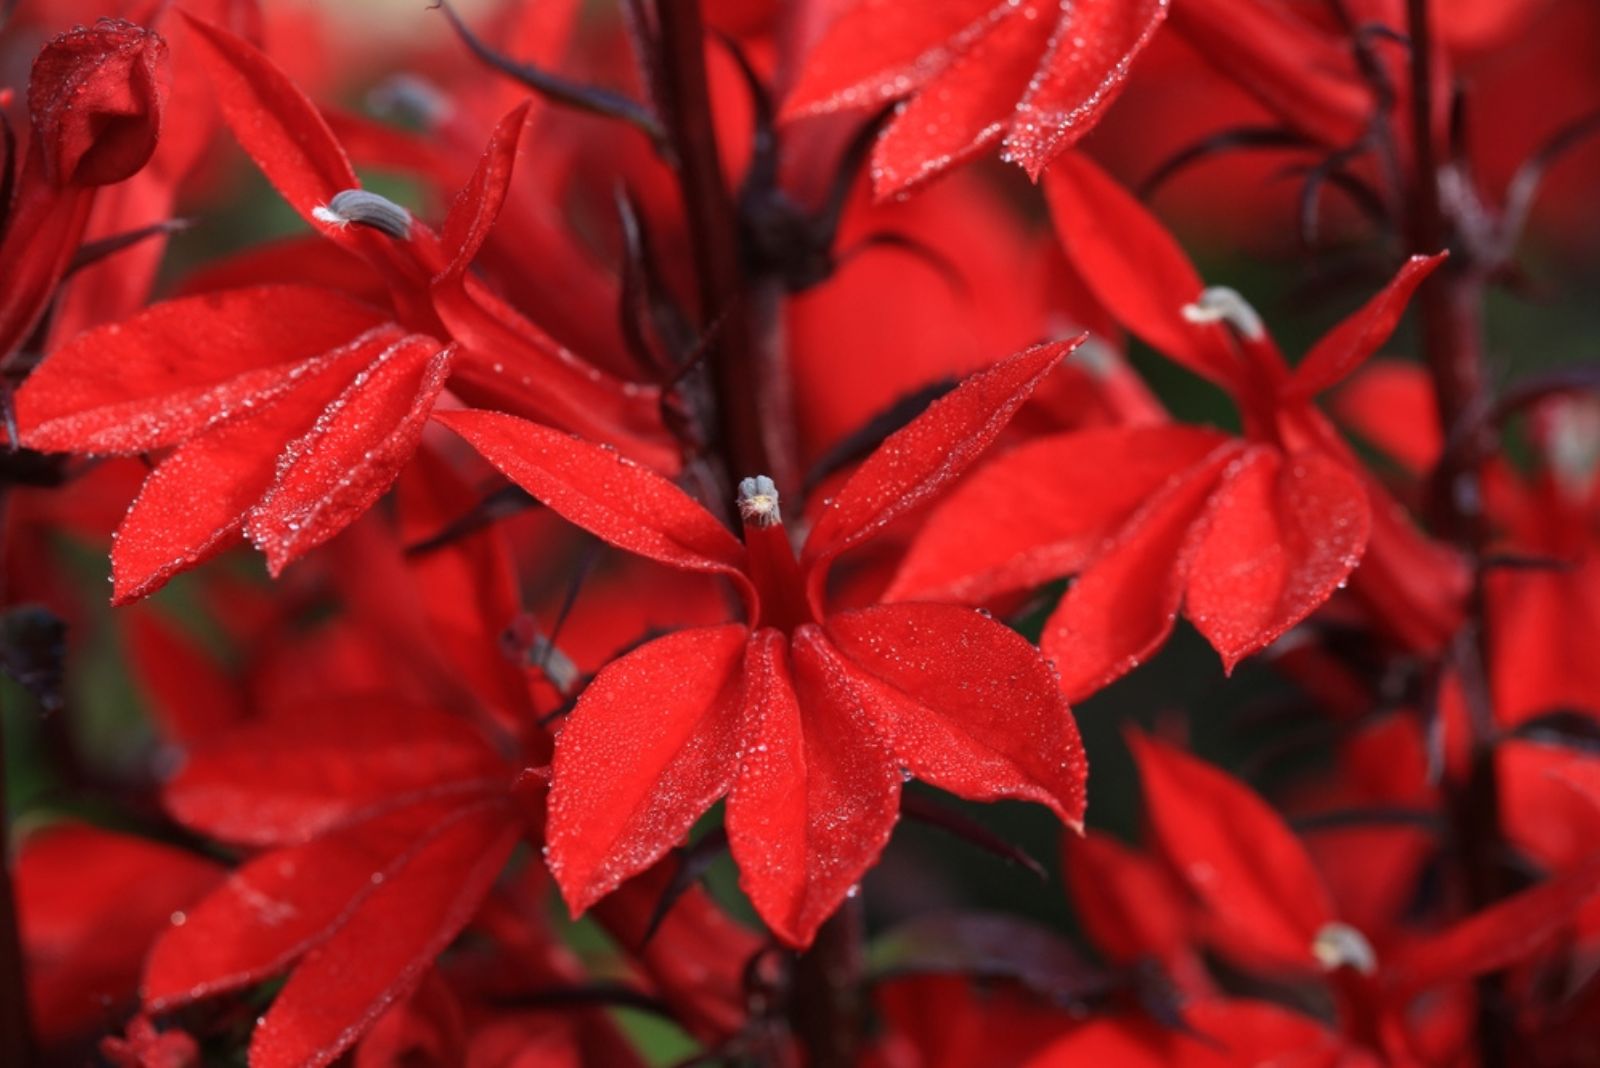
[[1339, 945], [1220, 304], [365, 209], [758, 501]]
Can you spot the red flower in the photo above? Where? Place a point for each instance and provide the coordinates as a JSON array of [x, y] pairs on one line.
[[806, 720], [1035, 73], [1247, 536], [289, 409]]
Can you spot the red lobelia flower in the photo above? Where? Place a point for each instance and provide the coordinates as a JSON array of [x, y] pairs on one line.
[[1035, 74], [806, 720], [290, 408], [1247, 535]]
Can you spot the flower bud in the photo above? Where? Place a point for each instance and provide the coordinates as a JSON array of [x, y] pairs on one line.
[[95, 97]]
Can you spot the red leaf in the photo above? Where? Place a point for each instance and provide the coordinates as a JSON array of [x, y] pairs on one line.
[[90, 902], [281, 130], [292, 776], [1279, 536], [381, 953], [1133, 266], [973, 708], [332, 474], [652, 743], [196, 501], [1236, 855], [1349, 345], [275, 907], [817, 792], [1122, 606], [170, 371], [96, 94], [1038, 72], [605, 493], [928, 454], [1042, 510]]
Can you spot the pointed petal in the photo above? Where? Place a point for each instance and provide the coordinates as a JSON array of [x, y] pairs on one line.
[[1236, 855], [1091, 50], [281, 130], [817, 793], [1122, 606], [195, 502], [1133, 265], [965, 107], [384, 949], [603, 492], [652, 744], [290, 777], [477, 205], [1349, 345], [328, 477], [165, 374], [1042, 510], [1500, 935], [276, 906], [925, 456], [1279, 536], [970, 705], [1128, 903], [878, 50]]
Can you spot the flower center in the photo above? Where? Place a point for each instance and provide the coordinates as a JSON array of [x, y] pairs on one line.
[[772, 564]]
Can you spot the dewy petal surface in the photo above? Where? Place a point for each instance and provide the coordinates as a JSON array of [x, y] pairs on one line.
[[1279, 536], [973, 707], [817, 793], [653, 743]]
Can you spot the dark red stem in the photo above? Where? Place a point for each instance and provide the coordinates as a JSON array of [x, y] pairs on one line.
[[826, 1009], [1452, 308]]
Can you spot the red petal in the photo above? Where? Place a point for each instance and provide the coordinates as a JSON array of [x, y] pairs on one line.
[[186, 690], [167, 373], [1237, 856], [1295, 69], [876, 50], [1500, 935], [1356, 338], [1278, 537], [964, 107], [970, 705], [1042, 510], [1122, 606], [96, 95], [1133, 265], [928, 454], [652, 744], [817, 792], [275, 907], [1091, 49], [605, 493], [475, 208], [1128, 903], [290, 777], [332, 474], [383, 950], [1391, 405], [281, 130], [90, 903], [195, 502]]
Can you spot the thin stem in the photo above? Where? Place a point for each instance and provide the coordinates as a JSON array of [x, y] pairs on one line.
[[826, 1008]]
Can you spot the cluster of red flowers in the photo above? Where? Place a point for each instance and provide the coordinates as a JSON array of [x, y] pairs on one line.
[[671, 428]]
